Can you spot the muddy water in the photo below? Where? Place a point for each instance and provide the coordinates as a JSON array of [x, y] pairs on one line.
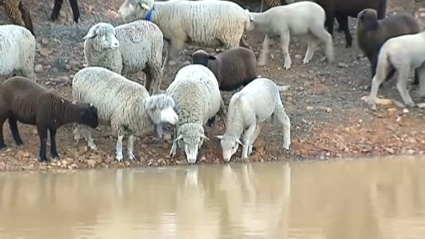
[[361, 199]]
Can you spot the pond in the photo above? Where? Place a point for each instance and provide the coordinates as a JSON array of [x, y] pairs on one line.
[[349, 199]]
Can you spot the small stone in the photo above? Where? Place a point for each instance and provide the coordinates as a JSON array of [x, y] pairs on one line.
[[405, 111], [342, 65], [38, 68], [74, 166], [45, 41], [2, 166], [309, 108], [167, 137], [91, 162], [45, 52]]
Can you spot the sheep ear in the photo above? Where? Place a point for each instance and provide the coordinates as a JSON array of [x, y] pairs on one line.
[[145, 6], [178, 138], [220, 137], [211, 57], [90, 34], [205, 137], [239, 142]]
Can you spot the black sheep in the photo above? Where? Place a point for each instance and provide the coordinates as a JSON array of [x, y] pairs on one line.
[[233, 68], [373, 33], [342, 9], [57, 9], [28, 102]]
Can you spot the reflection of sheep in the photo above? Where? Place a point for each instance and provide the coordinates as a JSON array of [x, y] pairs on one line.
[[372, 33], [18, 12], [401, 53], [209, 23], [57, 8], [17, 52], [127, 49], [124, 104], [248, 108], [301, 18], [197, 96], [30, 103], [341, 10], [233, 68]]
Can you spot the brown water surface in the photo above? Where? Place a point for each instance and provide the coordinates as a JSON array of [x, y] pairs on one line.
[[359, 199]]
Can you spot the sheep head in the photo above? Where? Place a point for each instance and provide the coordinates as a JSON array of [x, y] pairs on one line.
[[160, 109], [202, 57], [87, 115], [367, 20], [190, 137], [135, 8], [102, 36], [229, 145]]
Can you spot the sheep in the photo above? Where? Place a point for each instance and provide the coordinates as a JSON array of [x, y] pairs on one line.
[[18, 12], [17, 52], [304, 19], [401, 53], [232, 68], [197, 96], [341, 10], [127, 49], [248, 109], [207, 23], [57, 8], [372, 33], [123, 104], [30, 103]]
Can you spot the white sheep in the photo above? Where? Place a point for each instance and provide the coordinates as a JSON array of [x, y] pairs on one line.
[[207, 23], [402, 53], [248, 109], [305, 19], [127, 49], [17, 51], [197, 96], [124, 104]]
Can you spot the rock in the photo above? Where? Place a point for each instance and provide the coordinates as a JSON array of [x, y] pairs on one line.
[[2, 166], [45, 41], [45, 52], [167, 137], [342, 65], [91, 162], [112, 14], [109, 159], [74, 166], [38, 68], [405, 111], [309, 108]]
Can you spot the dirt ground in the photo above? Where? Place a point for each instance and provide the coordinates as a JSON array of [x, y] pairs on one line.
[[328, 117]]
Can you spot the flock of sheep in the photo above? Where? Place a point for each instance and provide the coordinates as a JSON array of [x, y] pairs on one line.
[[102, 95]]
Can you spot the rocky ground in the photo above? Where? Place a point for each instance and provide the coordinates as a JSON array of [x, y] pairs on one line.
[[328, 117]]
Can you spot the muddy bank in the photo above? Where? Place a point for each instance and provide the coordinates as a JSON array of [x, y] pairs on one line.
[[328, 117]]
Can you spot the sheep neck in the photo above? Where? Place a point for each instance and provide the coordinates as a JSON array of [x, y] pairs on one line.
[[143, 121], [235, 122], [260, 21], [66, 112]]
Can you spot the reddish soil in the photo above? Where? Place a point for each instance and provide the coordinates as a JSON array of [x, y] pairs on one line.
[[328, 117]]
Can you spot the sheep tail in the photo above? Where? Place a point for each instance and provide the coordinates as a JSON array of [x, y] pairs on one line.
[[26, 17], [283, 88]]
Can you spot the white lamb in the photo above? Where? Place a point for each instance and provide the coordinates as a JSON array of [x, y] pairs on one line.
[[305, 19], [207, 23], [124, 104], [127, 49], [17, 51], [402, 53], [248, 109], [197, 96]]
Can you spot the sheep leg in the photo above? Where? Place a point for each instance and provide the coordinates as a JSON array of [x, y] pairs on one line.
[[56, 9], [256, 133], [42, 133], [319, 32], [176, 45], [53, 148], [329, 22], [261, 6], [343, 25], [3, 118], [284, 38], [130, 146], [311, 48], [243, 43], [75, 10], [212, 122], [403, 75], [148, 81], [156, 77], [247, 138], [118, 148], [281, 115], [264, 51], [420, 76], [83, 129], [173, 150], [416, 78], [14, 129]]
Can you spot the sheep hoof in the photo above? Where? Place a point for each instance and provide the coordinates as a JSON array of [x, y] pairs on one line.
[[286, 147], [42, 159], [119, 158], [305, 61], [348, 45], [132, 157], [287, 66], [411, 104], [371, 103], [2, 146]]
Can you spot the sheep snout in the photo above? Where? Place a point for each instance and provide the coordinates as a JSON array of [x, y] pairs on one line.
[[168, 115], [127, 9], [191, 152]]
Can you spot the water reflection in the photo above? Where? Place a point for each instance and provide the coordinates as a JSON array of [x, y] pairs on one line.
[[333, 200]]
